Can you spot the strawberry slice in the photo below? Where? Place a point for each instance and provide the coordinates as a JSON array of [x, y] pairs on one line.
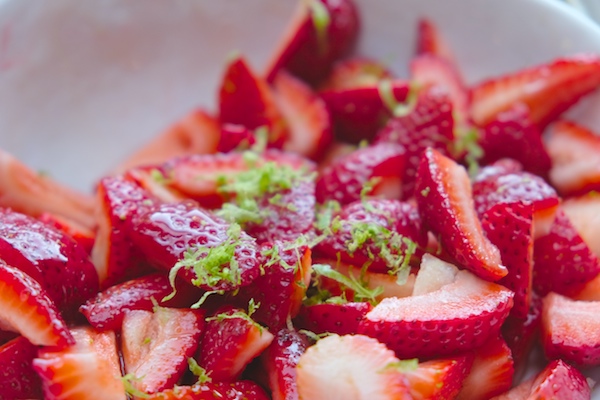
[[575, 153], [231, 340], [32, 193], [438, 379], [345, 178], [280, 360], [49, 256], [18, 379], [355, 72], [456, 318], [246, 99], [235, 137], [25, 307], [548, 90], [341, 319], [113, 254], [491, 373], [88, 370], [571, 330], [239, 390], [368, 368], [564, 263], [156, 345], [429, 124], [430, 41], [81, 234], [307, 116], [320, 33], [445, 201], [433, 274], [584, 214], [510, 228], [108, 308]]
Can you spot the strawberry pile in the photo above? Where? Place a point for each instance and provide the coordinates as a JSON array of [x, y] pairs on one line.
[[332, 232]]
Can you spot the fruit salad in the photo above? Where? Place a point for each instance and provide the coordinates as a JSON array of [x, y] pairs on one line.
[[333, 231]]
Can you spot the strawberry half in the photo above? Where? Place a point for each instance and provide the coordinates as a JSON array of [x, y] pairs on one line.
[[18, 379], [239, 390], [438, 379], [458, 317], [352, 367], [231, 340], [341, 319], [584, 214], [575, 153], [547, 89], [571, 330], [445, 201], [25, 307], [156, 345]]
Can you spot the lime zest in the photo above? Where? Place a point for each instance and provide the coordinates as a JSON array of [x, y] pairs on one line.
[[466, 141], [396, 108], [130, 388], [321, 20], [403, 366], [357, 285], [198, 371]]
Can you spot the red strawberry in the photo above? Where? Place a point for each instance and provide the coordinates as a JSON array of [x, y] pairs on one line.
[[18, 379], [239, 390], [246, 99], [231, 340], [320, 33], [282, 286], [512, 134], [430, 41], [571, 330], [584, 214], [108, 308], [81, 234], [49, 256], [492, 371], [372, 231], [32, 193], [341, 319], [156, 345], [445, 201], [196, 133], [359, 112], [438, 379], [308, 119], [355, 72], [169, 233], [458, 317], [369, 370], [429, 124], [547, 89], [280, 360], [575, 153], [510, 228], [113, 254], [345, 178], [25, 307], [504, 166], [588, 292], [88, 370], [235, 137], [563, 261]]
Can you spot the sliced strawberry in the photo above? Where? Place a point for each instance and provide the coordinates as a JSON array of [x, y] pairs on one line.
[[368, 369], [113, 254], [344, 180], [229, 343], [307, 116], [458, 317], [235, 137], [355, 72], [341, 319], [196, 133], [429, 124], [547, 89], [246, 99], [48, 255], [280, 360], [571, 330], [439, 379], [108, 308], [376, 232], [239, 390], [25, 307], [156, 345], [584, 214], [18, 379], [282, 286], [504, 166], [172, 232], [564, 263], [359, 112], [81, 234], [512, 134], [88, 370], [320, 33], [433, 274], [492, 371], [575, 153], [510, 228], [31, 193], [430, 41], [445, 201]]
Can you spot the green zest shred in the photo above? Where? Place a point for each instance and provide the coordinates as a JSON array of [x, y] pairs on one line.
[[467, 142], [130, 388], [403, 366], [396, 108], [321, 20], [357, 285], [198, 371]]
